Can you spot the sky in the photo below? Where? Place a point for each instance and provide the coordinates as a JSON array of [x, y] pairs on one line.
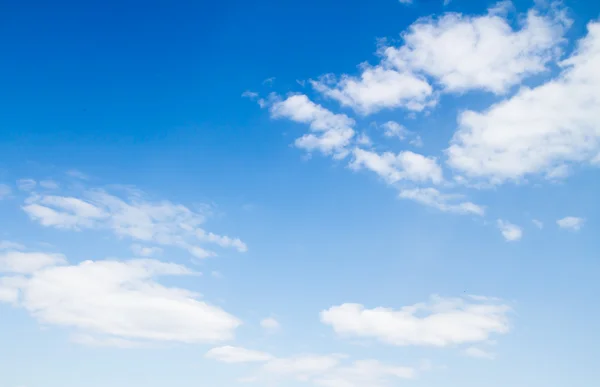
[[281, 193]]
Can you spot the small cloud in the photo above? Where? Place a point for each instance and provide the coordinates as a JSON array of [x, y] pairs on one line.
[[417, 142], [538, 223], [363, 139], [269, 81], [270, 324], [572, 223], [301, 82], [250, 94], [405, 1], [26, 184], [145, 251], [510, 232], [394, 129], [479, 353], [216, 274]]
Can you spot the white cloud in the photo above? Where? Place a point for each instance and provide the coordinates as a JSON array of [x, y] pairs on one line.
[[378, 88], [229, 354], [331, 133], [316, 370], [132, 216], [221, 240], [444, 202], [459, 53], [27, 262], [145, 251], [26, 184], [118, 300], [439, 322], [539, 224], [5, 191], [394, 129], [479, 353], [480, 52], [510, 232], [405, 1], [539, 129], [270, 324], [364, 140], [571, 223], [395, 167]]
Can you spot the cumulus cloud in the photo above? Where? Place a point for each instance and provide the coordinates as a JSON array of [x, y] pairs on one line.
[[330, 133], [480, 52], [537, 131], [572, 223], [131, 216], [120, 301], [318, 370], [395, 167], [452, 203], [377, 88], [439, 322], [455, 51], [510, 232]]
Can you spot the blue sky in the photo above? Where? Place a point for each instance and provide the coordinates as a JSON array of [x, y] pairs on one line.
[[366, 194]]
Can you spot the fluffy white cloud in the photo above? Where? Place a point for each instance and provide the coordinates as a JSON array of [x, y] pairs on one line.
[[162, 223], [229, 354], [444, 202], [510, 232], [395, 167], [331, 133], [479, 353], [456, 51], [118, 300], [480, 52], [394, 129], [270, 324], [571, 223], [540, 129], [439, 322], [316, 370], [378, 88]]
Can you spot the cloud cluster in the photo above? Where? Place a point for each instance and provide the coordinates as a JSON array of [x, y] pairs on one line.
[[130, 216], [540, 130], [457, 52], [116, 303], [440, 322]]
